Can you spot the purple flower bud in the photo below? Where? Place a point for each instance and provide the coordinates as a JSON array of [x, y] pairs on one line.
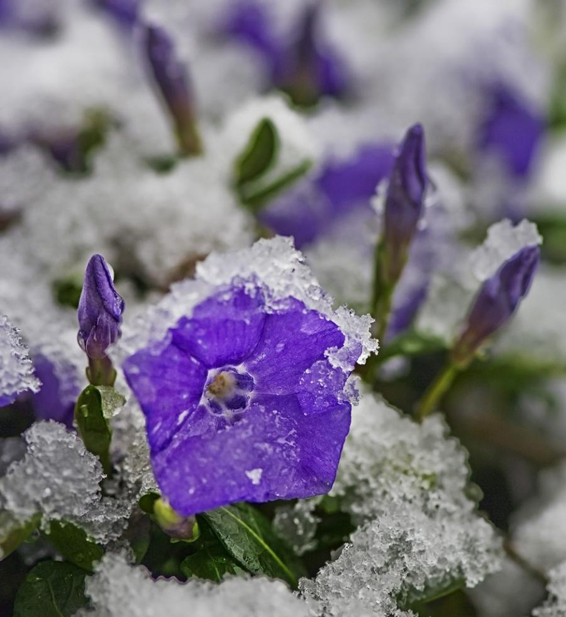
[[125, 12], [496, 302], [404, 202], [172, 80], [100, 310], [311, 68], [513, 130]]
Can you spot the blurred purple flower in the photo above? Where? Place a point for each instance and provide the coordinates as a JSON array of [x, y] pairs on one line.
[[303, 64], [38, 19], [496, 302], [309, 210], [172, 80], [242, 402], [404, 202], [100, 310], [59, 391], [125, 12], [513, 129]]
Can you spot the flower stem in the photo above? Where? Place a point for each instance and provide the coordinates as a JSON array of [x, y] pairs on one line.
[[100, 372], [436, 391]]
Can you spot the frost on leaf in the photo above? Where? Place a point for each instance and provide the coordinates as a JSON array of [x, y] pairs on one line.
[[16, 369], [419, 534], [119, 589], [59, 479]]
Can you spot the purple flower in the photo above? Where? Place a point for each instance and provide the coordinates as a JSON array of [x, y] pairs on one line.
[[496, 302], [404, 202], [41, 19], [59, 391], [242, 401], [100, 310], [172, 80], [303, 64], [125, 12], [512, 129], [342, 186]]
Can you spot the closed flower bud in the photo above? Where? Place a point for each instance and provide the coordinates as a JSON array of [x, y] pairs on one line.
[[100, 310], [172, 80], [496, 302], [404, 202]]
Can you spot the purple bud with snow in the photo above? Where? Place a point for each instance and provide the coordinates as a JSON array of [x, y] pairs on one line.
[[100, 310], [404, 202], [496, 302], [172, 80]]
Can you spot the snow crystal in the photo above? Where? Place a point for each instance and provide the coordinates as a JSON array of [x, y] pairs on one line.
[[59, 479], [555, 606], [16, 369], [503, 240], [405, 486], [119, 589], [538, 527], [283, 272]]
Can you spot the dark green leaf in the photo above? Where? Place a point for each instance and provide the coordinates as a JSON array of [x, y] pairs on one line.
[[67, 291], [51, 589], [255, 198], [211, 563], [95, 406], [15, 532], [146, 502], [411, 597], [75, 546], [247, 535], [259, 154]]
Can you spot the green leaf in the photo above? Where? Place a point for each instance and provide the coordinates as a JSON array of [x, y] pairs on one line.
[[259, 154], [95, 406], [67, 291], [247, 535], [75, 546], [256, 197], [52, 589], [14, 532], [411, 597], [211, 563]]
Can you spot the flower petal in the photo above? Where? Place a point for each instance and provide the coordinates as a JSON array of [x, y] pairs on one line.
[[170, 400], [224, 329]]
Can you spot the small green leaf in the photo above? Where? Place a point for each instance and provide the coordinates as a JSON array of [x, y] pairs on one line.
[[14, 532], [67, 291], [93, 426], [52, 589], [75, 546], [147, 502], [259, 154], [255, 197], [212, 563], [247, 535], [430, 593]]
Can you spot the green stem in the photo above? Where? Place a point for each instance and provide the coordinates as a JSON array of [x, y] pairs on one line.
[[100, 372], [436, 391]]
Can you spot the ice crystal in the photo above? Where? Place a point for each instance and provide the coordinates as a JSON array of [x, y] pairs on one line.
[[119, 589], [405, 486], [59, 479], [555, 606], [16, 369]]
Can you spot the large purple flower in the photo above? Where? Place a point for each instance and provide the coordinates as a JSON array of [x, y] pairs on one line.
[[242, 401]]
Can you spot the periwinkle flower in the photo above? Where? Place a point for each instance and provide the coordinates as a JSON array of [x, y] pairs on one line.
[[125, 12], [342, 186], [242, 401], [404, 202], [496, 302], [172, 80], [513, 129], [302, 63], [100, 310]]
